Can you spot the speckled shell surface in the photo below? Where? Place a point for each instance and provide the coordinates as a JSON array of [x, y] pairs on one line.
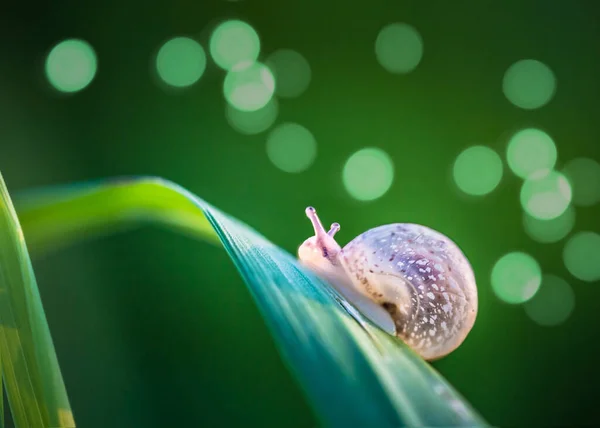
[[421, 278]]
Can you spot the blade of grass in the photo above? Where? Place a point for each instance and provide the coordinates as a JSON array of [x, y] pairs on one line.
[[353, 373], [1, 395], [59, 216], [34, 384]]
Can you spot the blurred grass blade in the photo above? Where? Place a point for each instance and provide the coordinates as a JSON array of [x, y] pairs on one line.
[[353, 373], [58, 216], [33, 381], [1, 395]]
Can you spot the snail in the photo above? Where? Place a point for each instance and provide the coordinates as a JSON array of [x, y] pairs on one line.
[[410, 280]]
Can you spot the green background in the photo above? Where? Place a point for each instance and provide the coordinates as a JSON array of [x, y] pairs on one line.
[[153, 329]]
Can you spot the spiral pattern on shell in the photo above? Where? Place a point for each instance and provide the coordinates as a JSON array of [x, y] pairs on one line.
[[421, 278]]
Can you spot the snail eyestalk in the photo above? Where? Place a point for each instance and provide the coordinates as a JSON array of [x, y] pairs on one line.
[[335, 228], [311, 213]]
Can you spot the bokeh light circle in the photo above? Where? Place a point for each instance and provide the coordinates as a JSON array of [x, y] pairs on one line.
[[71, 65], [552, 304], [180, 62], [249, 86], [545, 195], [253, 122], [368, 174], [516, 277], [399, 48], [291, 147], [477, 170], [292, 72], [584, 176], [529, 84], [581, 256], [529, 151], [548, 231], [234, 42]]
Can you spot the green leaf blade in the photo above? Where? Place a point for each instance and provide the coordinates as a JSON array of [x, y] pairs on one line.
[[285, 295], [32, 377], [353, 373]]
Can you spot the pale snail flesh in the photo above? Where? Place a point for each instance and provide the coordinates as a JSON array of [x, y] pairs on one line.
[[411, 280]]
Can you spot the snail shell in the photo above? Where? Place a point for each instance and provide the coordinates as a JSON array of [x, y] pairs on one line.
[[412, 274]]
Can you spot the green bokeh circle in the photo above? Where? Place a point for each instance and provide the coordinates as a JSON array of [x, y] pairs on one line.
[[292, 72], [180, 62], [234, 42], [399, 48], [291, 147], [529, 84], [253, 122], [368, 174], [516, 277], [530, 151], [545, 195], [552, 304], [584, 176], [477, 170], [548, 231], [71, 65], [581, 256], [249, 86]]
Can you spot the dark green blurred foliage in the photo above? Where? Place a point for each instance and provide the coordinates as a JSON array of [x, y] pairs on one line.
[[153, 329]]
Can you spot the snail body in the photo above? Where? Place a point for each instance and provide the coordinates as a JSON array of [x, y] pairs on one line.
[[411, 280]]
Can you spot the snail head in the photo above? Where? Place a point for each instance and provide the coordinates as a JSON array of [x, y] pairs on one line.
[[320, 252]]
